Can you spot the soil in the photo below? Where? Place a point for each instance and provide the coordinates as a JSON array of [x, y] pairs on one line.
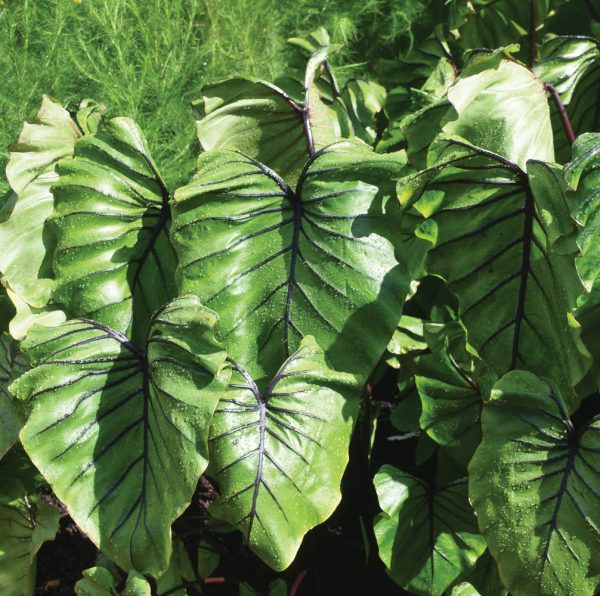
[[60, 563]]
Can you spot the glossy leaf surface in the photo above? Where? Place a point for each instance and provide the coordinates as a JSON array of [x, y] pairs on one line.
[[279, 263], [583, 174], [534, 482], [113, 262], [263, 121], [494, 250], [502, 107], [121, 433], [451, 403], [278, 453], [572, 66], [427, 536]]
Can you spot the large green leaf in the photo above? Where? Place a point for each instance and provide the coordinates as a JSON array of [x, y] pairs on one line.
[[113, 262], [534, 482], [427, 536], [497, 257], [266, 123], [121, 434], [25, 248], [11, 416], [495, 104], [572, 66], [24, 527], [501, 107], [278, 453], [278, 264]]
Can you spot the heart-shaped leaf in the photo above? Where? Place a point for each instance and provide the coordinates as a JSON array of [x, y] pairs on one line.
[[427, 536], [278, 454], [495, 252], [263, 121], [278, 264], [534, 482], [119, 433], [113, 262]]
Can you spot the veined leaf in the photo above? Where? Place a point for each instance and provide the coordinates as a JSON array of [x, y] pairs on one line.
[[572, 66], [263, 121], [23, 530], [496, 256], [25, 252], [495, 104], [427, 536], [113, 262], [119, 433], [278, 264], [451, 404], [279, 453], [534, 482], [11, 416]]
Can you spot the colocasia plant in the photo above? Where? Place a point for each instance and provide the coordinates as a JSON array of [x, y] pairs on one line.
[[388, 292]]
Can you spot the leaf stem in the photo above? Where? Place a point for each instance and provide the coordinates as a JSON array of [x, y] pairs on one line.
[[310, 143], [562, 111], [297, 582]]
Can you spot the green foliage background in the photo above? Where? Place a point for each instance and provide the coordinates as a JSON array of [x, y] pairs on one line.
[[150, 58]]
